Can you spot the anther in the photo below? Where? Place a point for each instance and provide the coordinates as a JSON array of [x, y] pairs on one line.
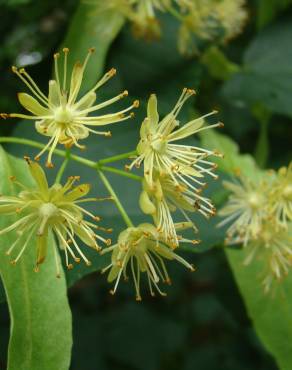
[[66, 50], [108, 241], [193, 269], [191, 91], [56, 55], [27, 159], [49, 165], [91, 50], [4, 115], [14, 69], [88, 263], [112, 72], [136, 104]]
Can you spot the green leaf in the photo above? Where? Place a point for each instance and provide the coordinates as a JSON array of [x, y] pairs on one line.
[[40, 334], [89, 28], [271, 314], [267, 72], [268, 10], [233, 161]]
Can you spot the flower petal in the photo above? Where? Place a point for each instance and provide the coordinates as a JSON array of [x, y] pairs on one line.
[[54, 93], [39, 176], [32, 105], [152, 112], [78, 192]]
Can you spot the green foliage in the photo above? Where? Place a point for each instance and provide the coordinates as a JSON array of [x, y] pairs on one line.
[[233, 161], [268, 10], [270, 313], [40, 333], [267, 71], [89, 29]]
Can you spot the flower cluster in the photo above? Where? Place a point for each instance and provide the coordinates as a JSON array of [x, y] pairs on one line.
[[210, 20], [62, 115], [43, 209], [173, 173], [200, 20], [174, 177], [260, 213], [141, 249]]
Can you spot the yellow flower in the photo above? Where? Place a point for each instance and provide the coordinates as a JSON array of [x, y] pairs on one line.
[[210, 20], [274, 248], [164, 198], [141, 250], [141, 14], [63, 115], [281, 196], [159, 153], [57, 209], [246, 208]]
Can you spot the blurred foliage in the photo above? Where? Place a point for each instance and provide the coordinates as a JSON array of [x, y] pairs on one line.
[[29, 344], [202, 323]]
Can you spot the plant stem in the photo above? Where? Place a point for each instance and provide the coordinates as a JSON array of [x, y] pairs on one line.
[[120, 207], [63, 167], [263, 115], [121, 172], [59, 152], [117, 157]]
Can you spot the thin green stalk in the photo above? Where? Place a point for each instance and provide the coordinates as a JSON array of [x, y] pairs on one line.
[[121, 173], [58, 152], [263, 115], [262, 146], [63, 167], [86, 162], [120, 207], [118, 157]]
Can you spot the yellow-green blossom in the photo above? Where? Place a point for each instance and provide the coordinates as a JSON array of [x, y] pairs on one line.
[[165, 198], [281, 196], [141, 250], [43, 209], [63, 115], [273, 247], [158, 151], [141, 14], [246, 208], [210, 20]]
